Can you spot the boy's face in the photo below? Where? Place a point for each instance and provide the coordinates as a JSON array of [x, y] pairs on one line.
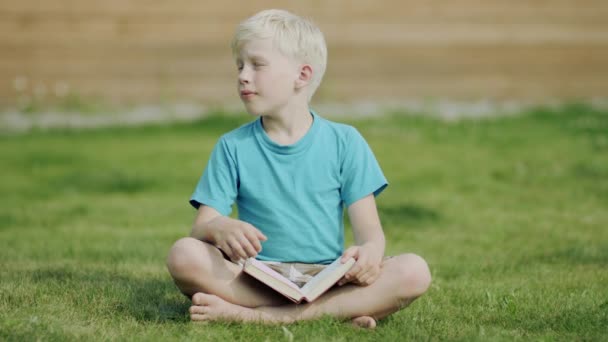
[[266, 79]]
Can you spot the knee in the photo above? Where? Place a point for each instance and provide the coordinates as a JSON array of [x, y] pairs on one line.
[[183, 257], [414, 275]]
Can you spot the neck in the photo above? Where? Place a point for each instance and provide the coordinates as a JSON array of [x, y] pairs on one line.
[[288, 127]]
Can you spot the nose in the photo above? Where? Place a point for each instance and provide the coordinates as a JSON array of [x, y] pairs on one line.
[[244, 75]]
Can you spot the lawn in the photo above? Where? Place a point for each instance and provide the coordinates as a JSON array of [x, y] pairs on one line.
[[511, 214]]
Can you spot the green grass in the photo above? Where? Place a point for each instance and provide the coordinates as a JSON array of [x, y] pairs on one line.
[[511, 213]]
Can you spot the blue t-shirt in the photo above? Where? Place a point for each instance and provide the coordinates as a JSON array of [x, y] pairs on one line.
[[294, 194]]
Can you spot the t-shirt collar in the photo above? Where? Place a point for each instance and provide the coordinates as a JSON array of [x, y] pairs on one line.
[[297, 147]]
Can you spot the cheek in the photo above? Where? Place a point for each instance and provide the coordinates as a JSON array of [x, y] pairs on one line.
[[284, 80], [279, 83], [267, 80]]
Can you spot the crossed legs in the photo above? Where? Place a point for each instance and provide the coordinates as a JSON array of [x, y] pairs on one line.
[[220, 291]]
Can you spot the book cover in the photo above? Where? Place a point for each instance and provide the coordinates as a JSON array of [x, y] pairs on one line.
[[309, 292]]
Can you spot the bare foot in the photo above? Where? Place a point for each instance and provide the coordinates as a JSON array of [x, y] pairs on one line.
[[365, 322], [207, 307]]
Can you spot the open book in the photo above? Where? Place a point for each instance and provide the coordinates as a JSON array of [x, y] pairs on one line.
[[309, 292]]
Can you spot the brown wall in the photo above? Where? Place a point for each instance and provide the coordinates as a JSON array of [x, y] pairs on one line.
[[148, 50]]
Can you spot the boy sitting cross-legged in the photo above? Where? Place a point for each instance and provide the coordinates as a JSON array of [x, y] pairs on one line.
[[291, 173]]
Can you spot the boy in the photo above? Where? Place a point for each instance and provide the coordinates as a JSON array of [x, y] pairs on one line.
[[291, 173]]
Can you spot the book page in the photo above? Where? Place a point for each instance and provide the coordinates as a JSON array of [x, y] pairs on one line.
[[326, 278], [272, 273]]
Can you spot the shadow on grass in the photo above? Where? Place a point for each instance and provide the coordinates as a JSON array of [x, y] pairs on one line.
[[155, 300], [408, 213], [158, 301], [103, 181], [146, 298]]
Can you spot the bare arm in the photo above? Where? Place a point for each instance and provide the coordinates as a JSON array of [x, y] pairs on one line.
[[201, 229], [369, 242], [236, 238], [367, 229]]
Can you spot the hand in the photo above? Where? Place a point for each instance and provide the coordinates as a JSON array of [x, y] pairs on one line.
[[367, 268], [238, 239]]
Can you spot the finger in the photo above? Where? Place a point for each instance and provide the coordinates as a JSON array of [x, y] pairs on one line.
[[234, 255], [237, 248], [357, 268], [254, 241], [227, 250], [343, 281], [259, 234], [350, 275], [365, 268], [247, 247], [365, 279], [359, 277], [373, 278], [351, 252], [374, 274]]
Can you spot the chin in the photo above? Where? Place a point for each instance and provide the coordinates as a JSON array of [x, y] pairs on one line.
[[252, 110]]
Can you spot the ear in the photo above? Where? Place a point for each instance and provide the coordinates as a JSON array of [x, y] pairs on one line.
[[304, 76]]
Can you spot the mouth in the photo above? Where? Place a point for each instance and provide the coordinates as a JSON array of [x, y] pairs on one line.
[[247, 93]]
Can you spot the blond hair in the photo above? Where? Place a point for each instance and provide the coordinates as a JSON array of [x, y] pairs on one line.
[[293, 36]]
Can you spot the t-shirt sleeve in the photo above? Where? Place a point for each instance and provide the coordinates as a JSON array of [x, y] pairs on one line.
[[217, 187], [360, 173]]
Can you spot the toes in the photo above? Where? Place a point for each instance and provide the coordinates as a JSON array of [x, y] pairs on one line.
[[199, 313], [197, 309], [365, 322], [199, 318], [200, 298]]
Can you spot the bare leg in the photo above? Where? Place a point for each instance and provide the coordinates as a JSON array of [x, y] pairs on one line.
[[403, 279], [197, 266]]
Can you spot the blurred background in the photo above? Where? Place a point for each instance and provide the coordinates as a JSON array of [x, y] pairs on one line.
[[72, 54], [509, 211]]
